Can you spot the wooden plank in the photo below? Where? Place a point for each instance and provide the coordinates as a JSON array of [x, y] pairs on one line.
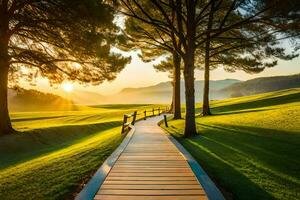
[[151, 154], [158, 162], [150, 170], [166, 178], [130, 157], [159, 182], [151, 187], [149, 167], [120, 197], [146, 158], [151, 174], [152, 163], [152, 192], [150, 150]]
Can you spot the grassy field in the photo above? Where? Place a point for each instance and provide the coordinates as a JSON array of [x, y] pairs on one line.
[[55, 152], [251, 146]]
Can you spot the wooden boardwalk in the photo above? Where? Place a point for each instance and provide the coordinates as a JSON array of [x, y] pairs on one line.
[[151, 168]]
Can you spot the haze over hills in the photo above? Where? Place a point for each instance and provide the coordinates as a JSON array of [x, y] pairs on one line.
[[159, 93], [31, 100], [162, 92], [219, 89]]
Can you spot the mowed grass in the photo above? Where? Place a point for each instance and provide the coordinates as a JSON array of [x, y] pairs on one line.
[[55, 152], [251, 146]]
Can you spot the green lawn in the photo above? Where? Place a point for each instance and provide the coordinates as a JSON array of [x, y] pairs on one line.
[[55, 152], [251, 146]]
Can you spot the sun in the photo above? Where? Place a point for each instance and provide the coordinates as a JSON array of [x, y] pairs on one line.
[[68, 87]]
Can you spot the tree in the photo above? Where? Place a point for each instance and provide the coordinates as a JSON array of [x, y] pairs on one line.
[[179, 26], [231, 49], [57, 39], [172, 65], [154, 44]]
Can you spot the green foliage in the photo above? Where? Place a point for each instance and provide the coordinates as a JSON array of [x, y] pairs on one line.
[[62, 39], [250, 147], [165, 66]]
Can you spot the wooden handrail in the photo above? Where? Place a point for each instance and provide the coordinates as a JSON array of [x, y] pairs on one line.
[[125, 118], [133, 115]]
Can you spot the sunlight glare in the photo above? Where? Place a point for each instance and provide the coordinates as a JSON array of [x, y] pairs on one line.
[[68, 87]]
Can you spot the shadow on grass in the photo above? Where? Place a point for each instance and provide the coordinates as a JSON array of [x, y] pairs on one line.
[[241, 112], [251, 163], [259, 103], [220, 167], [36, 118], [23, 146], [119, 106]]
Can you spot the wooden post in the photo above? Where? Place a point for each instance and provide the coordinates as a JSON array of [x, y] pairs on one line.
[[158, 111], [145, 114], [166, 122], [134, 117], [124, 123], [153, 111]]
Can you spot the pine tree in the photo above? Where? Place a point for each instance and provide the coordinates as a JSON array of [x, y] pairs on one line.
[[57, 39]]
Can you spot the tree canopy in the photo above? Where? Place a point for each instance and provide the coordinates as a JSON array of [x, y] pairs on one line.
[[59, 40], [62, 39]]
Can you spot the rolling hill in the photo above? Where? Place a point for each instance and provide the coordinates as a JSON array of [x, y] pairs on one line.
[[20, 99], [250, 145], [262, 85]]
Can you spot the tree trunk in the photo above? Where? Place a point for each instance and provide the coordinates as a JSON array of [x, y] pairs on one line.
[[190, 124], [5, 124], [189, 66], [176, 86], [205, 105], [172, 103]]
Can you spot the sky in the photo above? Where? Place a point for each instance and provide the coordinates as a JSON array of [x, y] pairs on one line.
[[139, 74]]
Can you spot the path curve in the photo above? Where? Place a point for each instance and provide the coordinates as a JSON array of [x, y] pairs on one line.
[[151, 168], [150, 165]]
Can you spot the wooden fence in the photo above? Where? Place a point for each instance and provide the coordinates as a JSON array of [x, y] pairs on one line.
[[146, 113]]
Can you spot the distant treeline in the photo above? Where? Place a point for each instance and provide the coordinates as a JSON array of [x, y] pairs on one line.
[[21, 99]]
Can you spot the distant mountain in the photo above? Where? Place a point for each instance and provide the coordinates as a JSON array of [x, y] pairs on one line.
[[219, 89], [20, 99], [262, 85], [162, 92]]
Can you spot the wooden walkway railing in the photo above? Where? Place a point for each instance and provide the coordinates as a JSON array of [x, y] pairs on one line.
[[154, 111]]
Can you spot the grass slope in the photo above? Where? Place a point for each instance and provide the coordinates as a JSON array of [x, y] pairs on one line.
[[250, 147], [55, 152]]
